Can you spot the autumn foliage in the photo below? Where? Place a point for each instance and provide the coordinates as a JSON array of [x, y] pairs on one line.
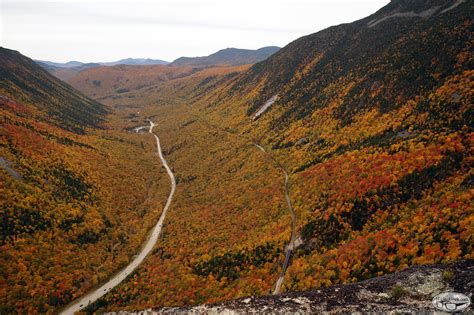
[[374, 126]]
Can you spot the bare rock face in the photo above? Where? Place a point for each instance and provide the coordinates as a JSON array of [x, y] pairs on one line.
[[408, 291]]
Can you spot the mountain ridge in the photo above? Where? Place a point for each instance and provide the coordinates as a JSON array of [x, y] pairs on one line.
[[373, 124], [66, 71], [80, 113], [126, 61], [329, 46], [223, 58], [229, 57], [62, 159]]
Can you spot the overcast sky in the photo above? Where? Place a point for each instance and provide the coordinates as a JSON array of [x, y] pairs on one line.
[[106, 30]]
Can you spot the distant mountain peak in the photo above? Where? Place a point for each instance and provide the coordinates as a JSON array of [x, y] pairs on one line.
[[228, 56], [126, 61], [65, 71], [136, 62]]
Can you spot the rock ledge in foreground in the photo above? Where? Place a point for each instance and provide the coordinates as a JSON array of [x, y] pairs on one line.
[[408, 291]]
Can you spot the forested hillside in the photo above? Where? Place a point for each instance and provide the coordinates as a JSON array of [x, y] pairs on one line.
[[76, 202], [132, 83], [54, 102], [372, 119]]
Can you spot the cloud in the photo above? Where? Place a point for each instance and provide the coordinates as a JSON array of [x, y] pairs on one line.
[[170, 26]]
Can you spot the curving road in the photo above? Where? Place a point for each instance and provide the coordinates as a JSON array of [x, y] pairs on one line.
[[96, 294], [293, 240], [291, 245]]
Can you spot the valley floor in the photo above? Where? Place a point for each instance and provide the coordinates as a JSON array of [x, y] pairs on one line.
[[97, 293]]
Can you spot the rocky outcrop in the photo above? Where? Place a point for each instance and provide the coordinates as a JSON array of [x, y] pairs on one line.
[[422, 14], [6, 165], [408, 291]]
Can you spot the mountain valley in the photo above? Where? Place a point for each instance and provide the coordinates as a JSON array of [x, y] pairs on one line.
[[345, 155]]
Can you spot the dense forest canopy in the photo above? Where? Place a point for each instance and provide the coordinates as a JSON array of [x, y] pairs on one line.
[[372, 120]]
